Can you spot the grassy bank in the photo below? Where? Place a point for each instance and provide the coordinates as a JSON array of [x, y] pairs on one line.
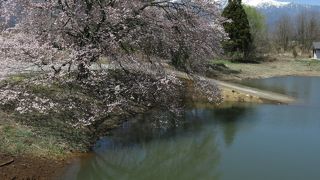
[[58, 131], [20, 139], [45, 117], [37, 134], [280, 66], [49, 117], [29, 153]]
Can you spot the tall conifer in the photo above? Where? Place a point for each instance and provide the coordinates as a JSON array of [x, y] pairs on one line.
[[238, 29]]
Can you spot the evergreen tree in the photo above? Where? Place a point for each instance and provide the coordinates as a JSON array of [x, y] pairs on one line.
[[238, 29]]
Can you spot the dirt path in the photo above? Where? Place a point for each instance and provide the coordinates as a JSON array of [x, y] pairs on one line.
[[266, 95], [244, 90]]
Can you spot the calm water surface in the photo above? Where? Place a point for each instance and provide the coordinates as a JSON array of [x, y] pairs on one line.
[[236, 142]]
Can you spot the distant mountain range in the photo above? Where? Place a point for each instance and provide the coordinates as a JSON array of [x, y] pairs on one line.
[[273, 9], [265, 3]]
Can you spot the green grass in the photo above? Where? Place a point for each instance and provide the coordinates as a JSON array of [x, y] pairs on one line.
[[221, 61], [312, 63], [38, 134], [16, 139], [17, 78], [53, 133]]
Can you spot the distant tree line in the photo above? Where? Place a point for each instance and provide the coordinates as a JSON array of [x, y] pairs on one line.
[[297, 32], [250, 38]]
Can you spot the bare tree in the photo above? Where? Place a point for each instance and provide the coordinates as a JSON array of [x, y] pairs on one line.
[[301, 29], [312, 29], [283, 32]]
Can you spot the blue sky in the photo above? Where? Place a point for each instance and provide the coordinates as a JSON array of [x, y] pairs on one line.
[[313, 2]]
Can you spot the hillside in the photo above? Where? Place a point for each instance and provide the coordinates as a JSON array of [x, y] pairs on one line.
[[273, 9]]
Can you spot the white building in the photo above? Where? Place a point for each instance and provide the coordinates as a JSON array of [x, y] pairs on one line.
[[316, 50]]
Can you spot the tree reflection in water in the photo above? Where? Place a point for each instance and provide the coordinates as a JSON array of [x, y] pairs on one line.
[[274, 141], [229, 118], [165, 147]]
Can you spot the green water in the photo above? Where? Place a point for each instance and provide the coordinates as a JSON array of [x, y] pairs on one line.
[[238, 142]]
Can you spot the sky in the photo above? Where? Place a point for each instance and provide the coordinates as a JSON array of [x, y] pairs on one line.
[[312, 2]]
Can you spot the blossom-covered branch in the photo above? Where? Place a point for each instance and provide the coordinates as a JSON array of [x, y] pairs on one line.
[[183, 32]]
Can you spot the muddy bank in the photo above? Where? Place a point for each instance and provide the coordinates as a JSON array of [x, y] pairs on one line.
[[33, 168], [230, 95]]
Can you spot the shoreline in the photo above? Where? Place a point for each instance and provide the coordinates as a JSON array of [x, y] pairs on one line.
[[36, 167], [52, 167], [304, 74], [28, 167]]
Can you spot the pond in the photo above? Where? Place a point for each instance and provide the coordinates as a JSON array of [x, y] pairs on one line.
[[234, 142]]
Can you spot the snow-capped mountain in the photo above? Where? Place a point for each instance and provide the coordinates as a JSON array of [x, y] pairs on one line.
[[265, 3], [273, 9]]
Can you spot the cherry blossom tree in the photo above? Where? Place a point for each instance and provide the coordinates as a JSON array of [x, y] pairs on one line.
[[183, 32], [138, 36]]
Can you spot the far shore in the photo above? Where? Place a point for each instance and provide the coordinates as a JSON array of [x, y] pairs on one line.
[[279, 66]]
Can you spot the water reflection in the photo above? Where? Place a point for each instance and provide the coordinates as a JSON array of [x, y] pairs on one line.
[[244, 141], [229, 118], [157, 160], [303, 88], [154, 125], [156, 145]]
